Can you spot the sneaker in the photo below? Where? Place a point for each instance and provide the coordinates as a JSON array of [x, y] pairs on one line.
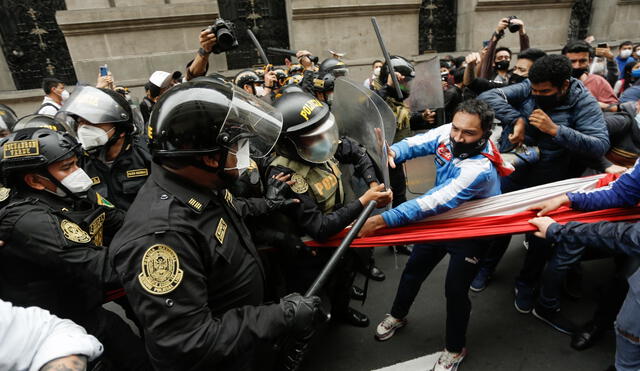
[[449, 361], [524, 299], [481, 280], [555, 319], [388, 327]]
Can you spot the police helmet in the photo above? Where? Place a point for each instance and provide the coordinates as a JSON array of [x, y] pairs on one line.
[[309, 130], [334, 66], [203, 116], [7, 118], [247, 77], [33, 149], [97, 106], [324, 82], [400, 65], [43, 121], [295, 69]]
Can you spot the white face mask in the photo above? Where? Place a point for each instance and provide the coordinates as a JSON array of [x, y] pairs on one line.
[[259, 91], [65, 95], [625, 53], [92, 136], [376, 71], [243, 159], [76, 182]]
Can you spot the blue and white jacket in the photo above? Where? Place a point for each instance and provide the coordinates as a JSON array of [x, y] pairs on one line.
[[457, 180]]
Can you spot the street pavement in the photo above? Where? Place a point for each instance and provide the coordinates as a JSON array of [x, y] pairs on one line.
[[499, 338]]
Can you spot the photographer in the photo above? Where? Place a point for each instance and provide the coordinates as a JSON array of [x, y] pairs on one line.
[[495, 64]]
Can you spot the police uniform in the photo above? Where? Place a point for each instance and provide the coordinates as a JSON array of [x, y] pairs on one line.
[[184, 255], [121, 180], [55, 258]]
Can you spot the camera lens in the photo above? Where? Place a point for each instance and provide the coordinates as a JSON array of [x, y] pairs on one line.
[[225, 38]]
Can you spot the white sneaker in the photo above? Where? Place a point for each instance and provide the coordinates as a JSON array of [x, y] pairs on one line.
[[388, 327], [449, 361]]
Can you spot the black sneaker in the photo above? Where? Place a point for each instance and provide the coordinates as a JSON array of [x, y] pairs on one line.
[[555, 319]]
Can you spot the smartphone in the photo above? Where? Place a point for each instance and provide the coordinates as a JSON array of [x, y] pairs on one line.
[[603, 45], [485, 43], [104, 70]]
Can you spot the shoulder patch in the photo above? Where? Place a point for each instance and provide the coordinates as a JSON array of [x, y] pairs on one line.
[[137, 173], [103, 201], [73, 232], [161, 271], [300, 185], [95, 180]]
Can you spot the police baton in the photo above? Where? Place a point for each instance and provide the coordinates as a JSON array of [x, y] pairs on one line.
[[295, 351], [387, 59], [256, 43], [291, 53]]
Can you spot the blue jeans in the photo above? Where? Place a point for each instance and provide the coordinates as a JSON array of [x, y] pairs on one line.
[[628, 328], [463, 266]]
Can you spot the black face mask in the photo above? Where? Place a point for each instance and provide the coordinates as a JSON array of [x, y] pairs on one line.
[[549, 102], [466, 150], [515, 79], [502, 65], [577, 72]]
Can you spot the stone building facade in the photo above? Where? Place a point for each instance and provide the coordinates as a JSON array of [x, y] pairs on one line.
[[136, 37]]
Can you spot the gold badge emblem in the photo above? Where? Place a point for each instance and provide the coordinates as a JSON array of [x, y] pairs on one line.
[[300, 185], [221, 230], [95, 180], [161, 271], [4, 193], [21, 148], [195, 204], [137, 173], [73, 232]]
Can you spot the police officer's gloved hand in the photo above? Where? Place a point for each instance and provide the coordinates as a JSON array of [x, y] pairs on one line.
[[278, 194], [302, 313]]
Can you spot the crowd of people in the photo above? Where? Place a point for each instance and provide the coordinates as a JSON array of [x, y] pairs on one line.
[[192, 209]]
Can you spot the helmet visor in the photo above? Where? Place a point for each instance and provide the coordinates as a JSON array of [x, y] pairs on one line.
[[93, 105], [43, 121], [320, 144], [252, 118]]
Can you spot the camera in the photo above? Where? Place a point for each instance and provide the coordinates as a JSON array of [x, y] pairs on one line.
[[225, 33], [513, 27]]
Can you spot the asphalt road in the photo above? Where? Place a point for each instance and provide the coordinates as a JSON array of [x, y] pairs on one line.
[[499, 338]]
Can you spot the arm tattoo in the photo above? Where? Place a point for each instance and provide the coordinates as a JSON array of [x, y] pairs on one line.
[[70, 363]]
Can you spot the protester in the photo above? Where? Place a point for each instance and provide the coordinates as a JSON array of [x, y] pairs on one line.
[[375, 72], [54, 95], [629, 78], [495, 64], [624, 56]]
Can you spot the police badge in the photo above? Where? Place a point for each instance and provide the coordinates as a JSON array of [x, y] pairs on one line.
[[161, 271]]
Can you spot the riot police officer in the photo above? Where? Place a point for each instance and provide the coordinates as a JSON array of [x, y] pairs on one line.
[[309, 149], [117, 158], [56, 230], [184, 254]]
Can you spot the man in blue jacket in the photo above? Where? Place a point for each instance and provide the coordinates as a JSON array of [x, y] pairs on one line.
[[618, 237], [466, 163], [561, 118]]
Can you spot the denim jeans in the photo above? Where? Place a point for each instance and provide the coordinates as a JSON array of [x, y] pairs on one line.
[[463, 266], [628, 328]]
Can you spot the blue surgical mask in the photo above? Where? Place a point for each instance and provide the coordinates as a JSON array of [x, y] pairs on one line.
[[635, 74], [320, 150]]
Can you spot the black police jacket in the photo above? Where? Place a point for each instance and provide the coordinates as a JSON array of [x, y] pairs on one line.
[[121, 181], [308, 216], [54, 255], [193, 277]]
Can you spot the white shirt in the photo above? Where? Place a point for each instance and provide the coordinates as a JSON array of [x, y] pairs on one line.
[[49, 110], [31, 337]]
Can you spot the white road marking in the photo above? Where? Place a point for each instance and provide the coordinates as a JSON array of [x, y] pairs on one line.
[[419, 364]]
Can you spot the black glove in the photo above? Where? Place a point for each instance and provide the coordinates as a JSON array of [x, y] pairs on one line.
[[301, 313], [278, 194]]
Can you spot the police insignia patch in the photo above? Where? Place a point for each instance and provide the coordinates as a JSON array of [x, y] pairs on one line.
[[4, 193], [161, 271], [221, 230], [300, 185], [73, 232]]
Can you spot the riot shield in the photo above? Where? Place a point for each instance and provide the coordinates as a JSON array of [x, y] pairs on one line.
[[426, 88], [362, 115]]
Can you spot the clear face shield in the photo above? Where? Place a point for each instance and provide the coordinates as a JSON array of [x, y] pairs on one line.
[[93, 105], [320, 144], [251, 125]]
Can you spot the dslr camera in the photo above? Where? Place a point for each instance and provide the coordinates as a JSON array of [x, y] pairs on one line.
[[226, 35], [513, 27]]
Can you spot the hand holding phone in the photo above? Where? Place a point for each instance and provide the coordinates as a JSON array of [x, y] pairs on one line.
[[104, 70]]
